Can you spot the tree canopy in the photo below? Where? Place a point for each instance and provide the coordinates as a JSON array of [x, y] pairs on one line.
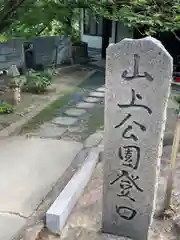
[[32, 17], [154, 15]]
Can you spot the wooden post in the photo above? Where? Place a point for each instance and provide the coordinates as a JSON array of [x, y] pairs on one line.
[[170, 180]]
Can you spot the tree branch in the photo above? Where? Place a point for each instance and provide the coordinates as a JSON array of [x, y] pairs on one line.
[[8, 9], [176, 36], [42, 29]]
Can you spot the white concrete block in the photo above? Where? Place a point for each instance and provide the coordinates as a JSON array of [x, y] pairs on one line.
[[58, 213]]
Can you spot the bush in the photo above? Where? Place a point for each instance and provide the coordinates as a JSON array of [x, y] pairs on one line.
[[5, 108], [37, 82], [177, 99], [50, 72], [177, 111]]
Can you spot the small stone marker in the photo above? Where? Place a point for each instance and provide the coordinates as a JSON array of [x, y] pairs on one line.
[[138, 77]]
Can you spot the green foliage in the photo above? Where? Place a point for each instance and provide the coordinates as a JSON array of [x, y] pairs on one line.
[[51, 72], [3, 38], [5, 108], [33, 18], [152, 15], [177, 99], [37, 82]]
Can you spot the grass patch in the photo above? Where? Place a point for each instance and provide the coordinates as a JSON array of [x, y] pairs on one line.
[[177, 99], [5, 108], [47, 113]]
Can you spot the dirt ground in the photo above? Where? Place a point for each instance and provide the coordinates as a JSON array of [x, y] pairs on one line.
[[85, 221], [63, 83]]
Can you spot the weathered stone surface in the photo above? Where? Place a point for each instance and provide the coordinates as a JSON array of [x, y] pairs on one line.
[[65, 120], [75, 112], [91, 99], [97, 94], [51, 131], [85, 105], [138, 80]]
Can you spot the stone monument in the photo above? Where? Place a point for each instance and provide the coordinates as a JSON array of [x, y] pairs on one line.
[[138, 79], [52, 50], [44, 51], [64, 50]]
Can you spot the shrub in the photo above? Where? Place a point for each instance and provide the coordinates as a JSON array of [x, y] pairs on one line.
[[52, 71], [177, 99], [37, 82], [5, 108]]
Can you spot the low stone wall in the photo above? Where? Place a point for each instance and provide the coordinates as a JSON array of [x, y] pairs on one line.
[[40, 52], [12, 53]]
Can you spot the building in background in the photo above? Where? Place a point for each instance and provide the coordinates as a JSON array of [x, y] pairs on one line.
[[99, 32]]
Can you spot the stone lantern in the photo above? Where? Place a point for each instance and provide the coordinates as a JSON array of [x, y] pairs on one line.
[[14, 85]]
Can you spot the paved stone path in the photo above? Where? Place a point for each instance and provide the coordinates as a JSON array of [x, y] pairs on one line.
[[84, 113], [81, 117], [29, 169]]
